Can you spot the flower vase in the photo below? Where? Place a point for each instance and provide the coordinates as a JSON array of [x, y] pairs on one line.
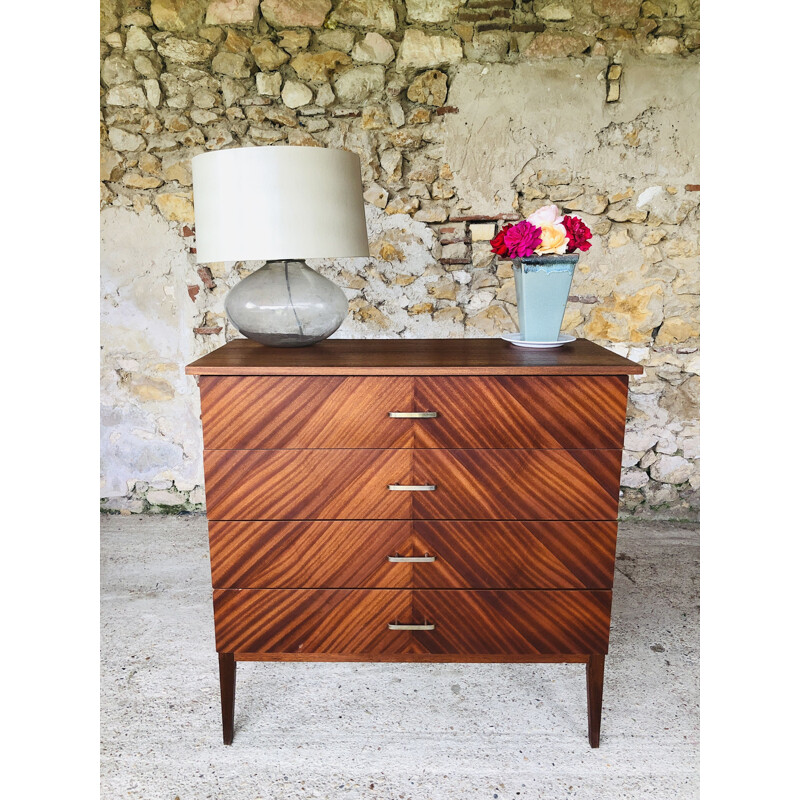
[[542, 284]]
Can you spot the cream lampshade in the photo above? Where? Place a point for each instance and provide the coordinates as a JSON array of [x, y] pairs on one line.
[[280, 204]]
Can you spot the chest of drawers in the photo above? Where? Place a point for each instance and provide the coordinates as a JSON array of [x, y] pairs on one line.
[[412, 500]]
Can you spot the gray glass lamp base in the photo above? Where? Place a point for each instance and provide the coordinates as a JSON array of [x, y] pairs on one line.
[[286, 304]]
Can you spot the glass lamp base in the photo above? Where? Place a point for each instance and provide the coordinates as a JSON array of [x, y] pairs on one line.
[[286, 304]]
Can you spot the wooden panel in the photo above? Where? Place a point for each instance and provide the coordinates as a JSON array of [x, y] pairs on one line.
[[317, 554], [513, 622], [518, 484], [411, 357], [554, 412], [311, 620], [354, 621], [515, 555], [353, 554], [252, 413], [307, 484]]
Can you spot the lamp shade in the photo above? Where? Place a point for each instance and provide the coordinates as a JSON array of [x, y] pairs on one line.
[[276, 203]]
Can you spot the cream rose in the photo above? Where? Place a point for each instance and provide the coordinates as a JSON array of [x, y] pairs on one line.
[[554, 240]]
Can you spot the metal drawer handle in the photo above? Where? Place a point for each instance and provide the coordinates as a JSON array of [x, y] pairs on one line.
[[400, 626], [413, 414], [399, 487], [426, 559]]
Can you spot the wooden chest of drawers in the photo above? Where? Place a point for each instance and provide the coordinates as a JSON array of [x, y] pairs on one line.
[[412, 500]]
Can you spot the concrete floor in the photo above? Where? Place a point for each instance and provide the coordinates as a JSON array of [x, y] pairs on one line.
[[384, 731]]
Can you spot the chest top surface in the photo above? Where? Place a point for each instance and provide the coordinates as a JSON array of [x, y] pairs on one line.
[[411, 357]]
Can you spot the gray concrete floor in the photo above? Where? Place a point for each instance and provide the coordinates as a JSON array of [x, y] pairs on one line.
[[386, 731]]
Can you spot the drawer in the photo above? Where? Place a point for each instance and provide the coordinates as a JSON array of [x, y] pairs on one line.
[[522, 412], [470, 484], [465, 622], [264, 413], [518, 484], [465, 554], [307, 484]]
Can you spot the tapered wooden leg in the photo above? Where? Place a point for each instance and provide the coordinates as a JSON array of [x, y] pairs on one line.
[[227, 691], [594, 696]]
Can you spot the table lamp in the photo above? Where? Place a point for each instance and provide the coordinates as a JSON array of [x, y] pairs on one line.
[[281, 204]]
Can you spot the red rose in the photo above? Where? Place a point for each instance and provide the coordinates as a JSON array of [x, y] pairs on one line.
[[578, 234], [498, 243]]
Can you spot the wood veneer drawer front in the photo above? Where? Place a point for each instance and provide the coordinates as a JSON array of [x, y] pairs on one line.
[[252, 413], [307, 484], [456, 554], [522, 412], [469, 484], [356, 621], [518, 484]]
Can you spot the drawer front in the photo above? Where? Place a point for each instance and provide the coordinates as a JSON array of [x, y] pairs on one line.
[[518, 484], [345, 621], [465, 554], [519, 412], [307, 484], [470, 484], [264, 413]]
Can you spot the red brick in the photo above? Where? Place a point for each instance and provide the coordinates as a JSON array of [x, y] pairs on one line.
[[207, 331], [446, 110], [193, 290], [692, 187], [206, 277]]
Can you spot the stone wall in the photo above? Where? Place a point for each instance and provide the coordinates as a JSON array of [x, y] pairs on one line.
[[464, 114]]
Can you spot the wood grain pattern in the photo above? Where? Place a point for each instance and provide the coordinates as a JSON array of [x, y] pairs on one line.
[[353, 554], [291, 412], [307, 484], [411, 357], [477, 412], [471, 484], [466, 622], [540, 412], [518, 484]]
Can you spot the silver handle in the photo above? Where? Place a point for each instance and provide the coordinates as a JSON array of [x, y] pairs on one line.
[[413, 414], [399, 487], [412, 559], [400, 626]]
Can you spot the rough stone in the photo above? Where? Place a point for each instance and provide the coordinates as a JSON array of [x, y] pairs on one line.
[[431, 10], [554, 44], [320, 67], [554, 12], [235, 42], [419, 50], [482, 232], [376, 195], [176, 206], [617, 10], [231, 64], [295, 94], [356, 85], [671, 469], [110, 165], [125, 96], [123, 140], [152, 89], [325, 95], [488, 46], [185, 51], [268, 83], [378, 14], [373, 49], [295, 13], [627, 318], [429, 88], [177, 15], [268, 55], [136, 180], [232, 12], [337, 39], [294, 41], [115, 70], [137, 40]]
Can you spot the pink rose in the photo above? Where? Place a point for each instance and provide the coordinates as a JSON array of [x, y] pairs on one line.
[[546, 215], [522, 239]]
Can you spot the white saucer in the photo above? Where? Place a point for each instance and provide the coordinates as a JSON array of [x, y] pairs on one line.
[[514, 338]]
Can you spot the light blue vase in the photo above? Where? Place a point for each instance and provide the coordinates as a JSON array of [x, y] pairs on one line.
[[543, 284]]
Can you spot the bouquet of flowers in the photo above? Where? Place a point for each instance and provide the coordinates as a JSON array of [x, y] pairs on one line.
[[543, 232]]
